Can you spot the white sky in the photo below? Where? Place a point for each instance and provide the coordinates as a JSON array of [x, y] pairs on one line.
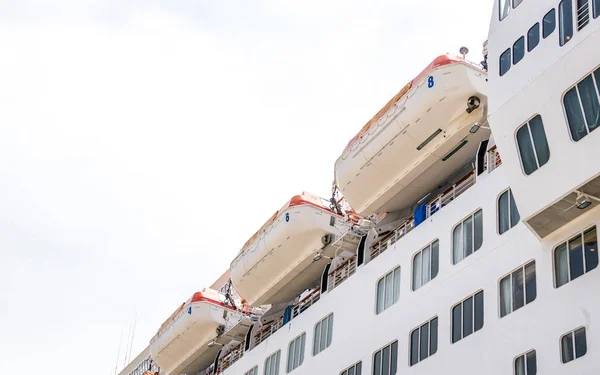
[[143, 142]]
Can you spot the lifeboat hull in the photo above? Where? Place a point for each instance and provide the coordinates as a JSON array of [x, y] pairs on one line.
[[180, 346], [277, 264], [386, 167]]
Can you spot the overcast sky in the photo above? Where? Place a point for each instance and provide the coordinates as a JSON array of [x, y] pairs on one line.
[[142, 142]]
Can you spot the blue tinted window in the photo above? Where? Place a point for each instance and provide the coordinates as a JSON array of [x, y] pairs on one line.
[[504, 62], [533, 37], [518, 50], [549, 23]]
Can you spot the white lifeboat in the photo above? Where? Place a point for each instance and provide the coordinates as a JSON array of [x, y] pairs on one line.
[[278, 262], [181, 344], [419, 138]]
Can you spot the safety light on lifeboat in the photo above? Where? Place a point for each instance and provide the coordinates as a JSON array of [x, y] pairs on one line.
[[463, 51]]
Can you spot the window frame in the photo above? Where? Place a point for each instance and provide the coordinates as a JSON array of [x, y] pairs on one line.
[[524, 355], [252, 371], [328, 339], [462, 318], [595, 9], [509, 274], [380, 350], [508, 53], [352, 366], [392, 271], [572, 332], [275, 353], [553, 12], [302, 337], [418, 328], [461, 223], [509, 190], [539, 34], [575, 86], [580, 233], [431, 276], [500, 16], [562, 27], [521, 39], [533, 144]]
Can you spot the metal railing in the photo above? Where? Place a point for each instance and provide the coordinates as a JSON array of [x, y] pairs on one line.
[[344, 271], [583, 14], [267, 330], [306, 302], [493, 159], [392, 237], [236, 353]]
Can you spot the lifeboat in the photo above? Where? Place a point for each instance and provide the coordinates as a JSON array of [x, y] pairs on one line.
[[280, 261], [181, 344], [419, 138]]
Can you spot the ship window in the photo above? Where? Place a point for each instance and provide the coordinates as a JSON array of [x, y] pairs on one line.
[[504, 62], [504, 8], [565, 21], [582, 107], [388, 290], [533, 37], [575, 257], [526, 364], [385, 360], [533, 145], [426, 265], [423, 341], [355, 369], [596, 4], [518, 50], [296, 353], [516, 3], [573, 345], [323, 334], [467, 317], [508, 214], [517, 289], [467, 236], [549, 23], [252, 371], [272, 364]]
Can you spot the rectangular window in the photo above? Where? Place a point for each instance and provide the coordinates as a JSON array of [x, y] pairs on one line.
[[582, 106], [467, 317], [565, 21], [583, 14], [533, 145], [296, 353], [355, 369], [518, 50], [425, 265], [575, 257], [423, 341], [253, 371], [385, 360], [573, 345], [508, 214], [272, 364], [505, 62], [526, 364], [323, 333], [517, 289], [533, 37], [467, 236], [596, 4], [388, 290], [516, 3], [549, 23], [504, 8]]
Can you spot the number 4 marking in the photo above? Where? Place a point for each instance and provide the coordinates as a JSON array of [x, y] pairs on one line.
[[190, 310], [430, 82]]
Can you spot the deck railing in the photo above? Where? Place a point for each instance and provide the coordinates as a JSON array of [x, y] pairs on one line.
[[267, 330], [341, 273], [387, 241], [236, 353], [306, 302], [493, 160]]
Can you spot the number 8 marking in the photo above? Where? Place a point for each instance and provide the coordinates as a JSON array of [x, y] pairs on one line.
[[430, 82]]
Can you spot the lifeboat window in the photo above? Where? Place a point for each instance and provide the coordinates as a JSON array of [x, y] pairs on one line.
[[423, 341], [388, 290], [573, 345], [467, 317], [526, 364], [504, 8], [504, 62], [517, 289], [429, 139], [385, 360], [549, 23], [533, 145], [296, 352], [252, 371], [575, 257], [508, 214], [565, 21], [355, 369], [455, 150], [582, 106], [533, 37], [518, 50], [272, 364], [425, 265], [467, 236], [323, 334]]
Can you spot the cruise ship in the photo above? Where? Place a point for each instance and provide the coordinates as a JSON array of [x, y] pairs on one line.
[[460, 237]]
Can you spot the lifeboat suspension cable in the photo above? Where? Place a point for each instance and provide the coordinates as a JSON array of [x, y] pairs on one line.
[[335, 207]]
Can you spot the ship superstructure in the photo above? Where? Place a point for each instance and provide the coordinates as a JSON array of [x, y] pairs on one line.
[[460, 237]]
